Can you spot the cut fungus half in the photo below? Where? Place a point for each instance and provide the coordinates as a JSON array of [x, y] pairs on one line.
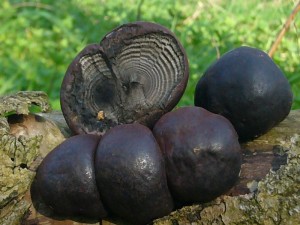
[[137, 73]]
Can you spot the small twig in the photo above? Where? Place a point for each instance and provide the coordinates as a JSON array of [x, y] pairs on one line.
[[195, 15], [139, 10], [32, 4], [297, 34], [215, 44], [284, 29]]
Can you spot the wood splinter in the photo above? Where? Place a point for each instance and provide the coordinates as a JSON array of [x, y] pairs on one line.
[[100, 115]]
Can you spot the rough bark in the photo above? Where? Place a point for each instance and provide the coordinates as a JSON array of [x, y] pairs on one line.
[[24, 140], [267, 192]]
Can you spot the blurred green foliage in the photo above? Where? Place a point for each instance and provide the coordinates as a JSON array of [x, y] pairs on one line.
[[39, 38]]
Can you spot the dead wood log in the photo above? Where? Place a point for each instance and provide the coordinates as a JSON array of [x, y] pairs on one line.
[[266, 193], [24, 140]]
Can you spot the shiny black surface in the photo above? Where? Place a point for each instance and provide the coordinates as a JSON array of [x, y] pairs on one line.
[[131, 176], [202, 153], [66, 179], [248, 88]]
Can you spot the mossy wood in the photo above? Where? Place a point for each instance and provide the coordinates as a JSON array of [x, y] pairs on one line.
[[266, 193], [24, 139]]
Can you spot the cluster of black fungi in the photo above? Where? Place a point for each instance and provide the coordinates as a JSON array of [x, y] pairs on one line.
[[133, 156]]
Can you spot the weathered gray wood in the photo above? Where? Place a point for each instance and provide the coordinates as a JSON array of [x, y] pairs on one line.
[[24, 139], [20, 102]]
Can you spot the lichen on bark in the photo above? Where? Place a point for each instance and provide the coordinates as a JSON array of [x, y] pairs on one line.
[[18, 153], [15, 177], [20, 102], [21, 150]]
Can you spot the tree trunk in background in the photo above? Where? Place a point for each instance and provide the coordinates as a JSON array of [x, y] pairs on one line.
[[267, 192]]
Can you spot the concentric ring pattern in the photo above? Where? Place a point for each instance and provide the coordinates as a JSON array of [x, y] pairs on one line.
[[140, 77], [137, 73], [153, 61]]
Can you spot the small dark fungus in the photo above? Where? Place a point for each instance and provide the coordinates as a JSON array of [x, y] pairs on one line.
[[130, 174], [248, 88], [66, 180], [201, 151], [138, 72]]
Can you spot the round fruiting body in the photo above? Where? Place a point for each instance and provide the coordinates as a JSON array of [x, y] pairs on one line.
[[138, 72], [248, 88], [130, 174], [201, 151], [65, 179]]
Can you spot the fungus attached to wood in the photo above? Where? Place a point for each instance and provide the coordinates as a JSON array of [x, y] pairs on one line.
[[138, 72], [248, 88], [131, 176], [66, 181], [201, 151]]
